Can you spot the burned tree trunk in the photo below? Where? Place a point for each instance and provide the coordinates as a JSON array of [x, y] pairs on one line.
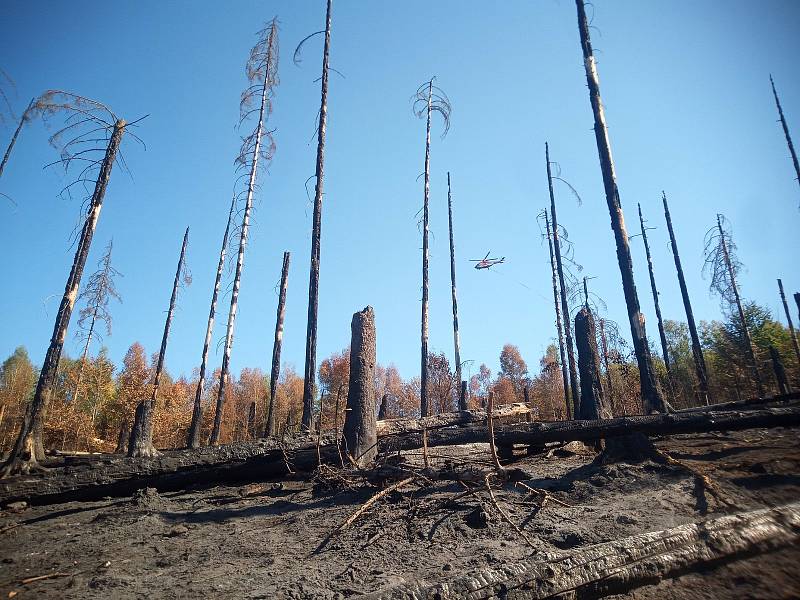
[[122, 438], [251, 420], [360, 428], [697, 350], [456, 341], [657, 304], [651, 397], [738, 301], [463, 400], [780, 371], [28, 448], [316, 236], [14, 137], [789, 321], [609, 384], [383, 408], [592, 402], [559, 330], [262, 69], [141, 442], [786, 131], [423, 402], [276, 347], [573, 375], [193, 437]]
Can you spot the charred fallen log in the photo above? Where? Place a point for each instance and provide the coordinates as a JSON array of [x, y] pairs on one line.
[[508, 413], [746, 404], [622, 565]]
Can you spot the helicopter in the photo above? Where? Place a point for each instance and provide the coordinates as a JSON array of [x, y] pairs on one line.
[[487, 262]]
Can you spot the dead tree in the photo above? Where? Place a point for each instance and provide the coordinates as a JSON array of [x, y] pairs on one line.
[[98, 291], [316, 232], [427, 100], [256, 151], [697, 350], [573, 374], [383, 408], [592, 405], [193, 437], [604, 347], [797, 301], [24, 119], [463, 399], [87, 121], [141, 440], [456, 341], [559, 330], [721, 260], [779, 370], [786, 131], [360, 428], [789, 321], [654, 289], [276, 347], [651, 396]]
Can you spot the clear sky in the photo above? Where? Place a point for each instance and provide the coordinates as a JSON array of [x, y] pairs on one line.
[[688, 102]]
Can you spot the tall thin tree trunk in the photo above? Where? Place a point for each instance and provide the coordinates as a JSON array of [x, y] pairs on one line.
[[789, 321], [193, 437], [30, 436], [573, 373], [786, 131], [609, 384], [456, 341], [22, 120], [141, 442], [316, 236], [654, 289], [751, 355], [276, 346], [559, 329], [82, 364], [697, 350], [423, 402], [651, 397], [779, 370], [237, 278]]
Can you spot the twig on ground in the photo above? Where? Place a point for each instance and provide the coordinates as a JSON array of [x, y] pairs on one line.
[[373, 500], [48, 576], [545, 495], [704, 479], [505, 516]]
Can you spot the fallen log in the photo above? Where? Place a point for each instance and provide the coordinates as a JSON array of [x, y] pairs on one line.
[[509, 413], [745, 404], [116, 475], [622, 565], [540, 433]]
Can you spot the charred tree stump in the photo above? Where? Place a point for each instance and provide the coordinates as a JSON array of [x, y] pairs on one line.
[[780, 371], [360, 427], [463, 399], [592, 404], [122, 439], [276, 346], [383, 407], [251, 421]]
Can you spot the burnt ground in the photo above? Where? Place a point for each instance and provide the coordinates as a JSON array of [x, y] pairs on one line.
[[266, 540]]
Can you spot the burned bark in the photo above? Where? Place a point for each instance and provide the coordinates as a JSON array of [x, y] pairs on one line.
[[193, 437], [456, 341], [383, 408], [276, 346], [359, 433], [779, 370], [592, 401], [654, 289], [316, 237], [697, 350], [22, 120], [463, 400], [609, 384], [651, 396], [786, 131], [573, 375], [141, 441], [792, 333], [28, 447]]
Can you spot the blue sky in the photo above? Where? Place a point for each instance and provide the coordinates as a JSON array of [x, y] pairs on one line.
[[688, 102]]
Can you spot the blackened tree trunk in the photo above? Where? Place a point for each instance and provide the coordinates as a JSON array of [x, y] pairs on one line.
[[276, 346], [463, 400], [797, 301], [573, 374], [651, 396], [779, 370], [122, 438], [22, 121], [423, 402], [28, 448], [316, 236], [789, 321], [554, 271], [456, 341], [383, 408], [141, 442], [360, 428], [751, 355], [654, 289], [697, 350], [786, 131], [193, 437], [251, 420], [266, 71], [609, 384], [592, 401]]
